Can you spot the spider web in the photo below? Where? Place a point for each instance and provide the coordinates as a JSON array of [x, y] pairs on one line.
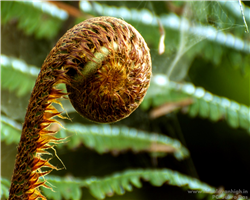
[[204, 21]]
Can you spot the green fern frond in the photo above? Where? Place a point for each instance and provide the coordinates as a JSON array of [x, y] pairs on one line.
[[234, 8], [225, 15], [40, 18], [10, 130], [104, 138], [63, 188], [5, 185], [205, 104], [17, 75], [119, 183]]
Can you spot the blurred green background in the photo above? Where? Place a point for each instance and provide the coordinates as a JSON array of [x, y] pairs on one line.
[[219, 153]]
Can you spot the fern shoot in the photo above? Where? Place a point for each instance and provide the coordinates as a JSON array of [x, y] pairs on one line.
[[106, 66]]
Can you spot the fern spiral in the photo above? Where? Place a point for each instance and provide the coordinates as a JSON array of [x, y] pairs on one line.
[[106, 66], [114, 69]]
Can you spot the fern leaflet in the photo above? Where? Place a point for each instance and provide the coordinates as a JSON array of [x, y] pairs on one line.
[[5, 185], [10, 130], [13, 69], [119, 183], [104, 138], [40, 18], [205, 104]]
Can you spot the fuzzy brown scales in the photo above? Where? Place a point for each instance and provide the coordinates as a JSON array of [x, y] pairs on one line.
[[106, 66], [118, 79], [35, 138]]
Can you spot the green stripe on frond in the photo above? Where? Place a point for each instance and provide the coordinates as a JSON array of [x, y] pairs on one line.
[[105, 138], [204, 104], [42, 19], [119, 183], [4, 189], [17, 76], [10, 130]]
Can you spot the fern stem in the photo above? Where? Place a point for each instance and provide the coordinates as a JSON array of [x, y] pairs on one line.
[[36, 138]]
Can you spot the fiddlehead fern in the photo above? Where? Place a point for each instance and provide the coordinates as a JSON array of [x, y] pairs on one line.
[[106, 66], [111, 72]]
